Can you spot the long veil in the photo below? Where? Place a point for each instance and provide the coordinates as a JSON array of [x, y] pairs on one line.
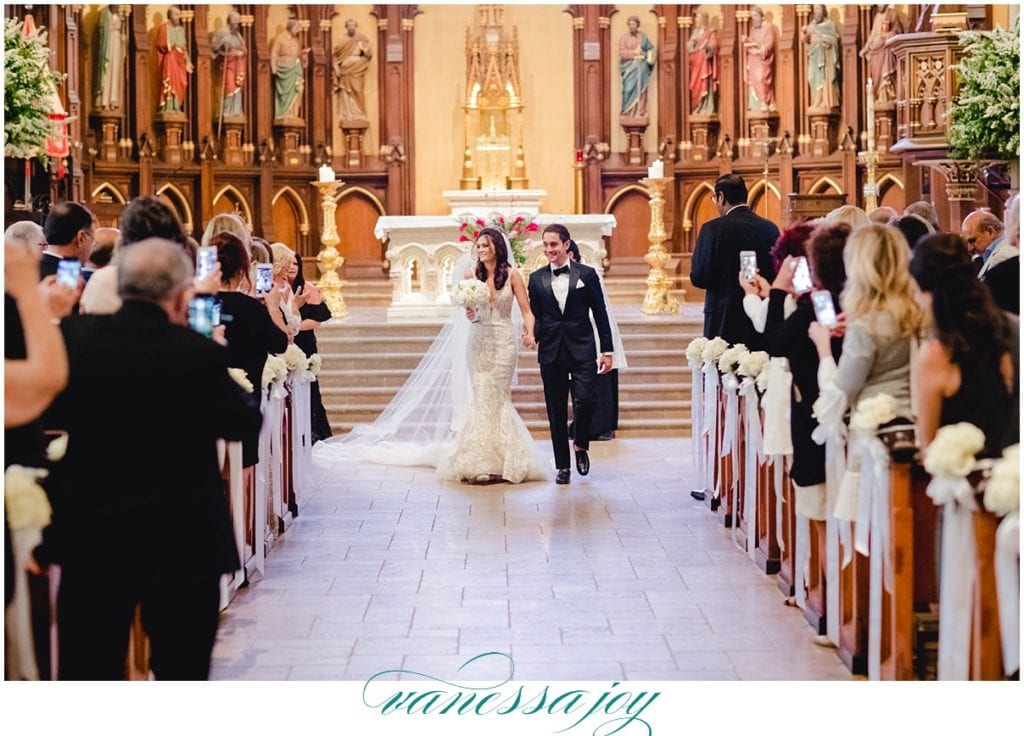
[[418, 426]]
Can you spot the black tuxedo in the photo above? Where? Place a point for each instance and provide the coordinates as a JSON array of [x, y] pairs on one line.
[[716, 268], [140, 513], [566, 350], [48, 265]]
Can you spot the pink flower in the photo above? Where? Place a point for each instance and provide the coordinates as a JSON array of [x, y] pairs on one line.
[[533, 227], [463, 238], [480, 222]]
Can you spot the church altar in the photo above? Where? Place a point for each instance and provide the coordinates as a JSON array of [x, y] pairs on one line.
[[423, 249]]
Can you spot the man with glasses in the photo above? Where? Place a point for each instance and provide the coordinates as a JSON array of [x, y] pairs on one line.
[[70, 231]]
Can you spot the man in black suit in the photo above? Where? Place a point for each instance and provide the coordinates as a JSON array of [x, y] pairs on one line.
[[149, 524], [716, 260], [562, 296], [70, 229]]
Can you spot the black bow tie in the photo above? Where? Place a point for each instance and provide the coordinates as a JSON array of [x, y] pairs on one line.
[[560, 271]]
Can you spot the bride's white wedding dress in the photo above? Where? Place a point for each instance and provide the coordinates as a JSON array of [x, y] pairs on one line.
[[494, 440]]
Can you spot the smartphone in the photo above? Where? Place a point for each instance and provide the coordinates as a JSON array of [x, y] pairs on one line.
[[801, 276], [68, 272], [200, 314], [206, 261], [264, 278], [824, 308], [215, 315], [748, 264]]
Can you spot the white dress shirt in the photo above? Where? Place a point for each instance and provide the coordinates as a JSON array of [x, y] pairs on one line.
[[560, 285]]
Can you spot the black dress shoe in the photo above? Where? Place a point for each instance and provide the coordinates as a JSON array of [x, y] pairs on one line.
[[697, 495], [582, 462], [562, 477]]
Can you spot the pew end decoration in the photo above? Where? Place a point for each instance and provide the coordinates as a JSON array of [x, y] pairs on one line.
[[1002, 491], [1002, 498], [241, 379]]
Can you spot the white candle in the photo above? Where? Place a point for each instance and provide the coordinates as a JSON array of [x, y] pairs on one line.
[[658, 169], [326, 174], [871, 115], [650, 171]]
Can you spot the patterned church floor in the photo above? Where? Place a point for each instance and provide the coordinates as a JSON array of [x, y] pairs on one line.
[[620, 575]]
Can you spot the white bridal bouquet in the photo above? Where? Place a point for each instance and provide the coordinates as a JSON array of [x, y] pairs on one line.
[[872, 413], [471, 293], [1002, 491], [241, 379], [729, 360], [952, 451], [695, 350], [294, 358], [25, 500], [713, 350]]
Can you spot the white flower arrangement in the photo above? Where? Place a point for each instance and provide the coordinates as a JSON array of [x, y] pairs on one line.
[[294, 358], [752, 364], [471, 293], [1002, 491], [729, 361], [241, 379], [25, 500], [695, 350], [275, 369], [871, 413], [314, 365], [952, 451], [57, 448], [713, 350]]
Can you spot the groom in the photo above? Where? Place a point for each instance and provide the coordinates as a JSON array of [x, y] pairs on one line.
[[562, 296]]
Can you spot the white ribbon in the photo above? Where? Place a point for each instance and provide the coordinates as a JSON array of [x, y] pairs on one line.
[[302, 442], [801, 558], [1008, 589], [20, 653], [777, 402], [697, 414], [752, 459], [710, 425], [778, 466], [730, 434], [957, 577]]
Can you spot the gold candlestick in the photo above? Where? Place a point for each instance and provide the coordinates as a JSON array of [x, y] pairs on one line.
[[330, 260], [658, 300]]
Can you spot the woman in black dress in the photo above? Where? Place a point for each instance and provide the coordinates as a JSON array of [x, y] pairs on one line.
[[313, 312], [253, 327]]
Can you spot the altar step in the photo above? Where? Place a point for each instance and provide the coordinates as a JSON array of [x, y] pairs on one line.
[[366, 361]]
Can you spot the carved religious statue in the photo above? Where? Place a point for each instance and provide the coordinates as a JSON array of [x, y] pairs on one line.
[[108, 72], [822, 39], [882, 60], [759, 48], [636, 59], [287, 64], [228, 44], [703, 51], [175, 66], [351, 60]]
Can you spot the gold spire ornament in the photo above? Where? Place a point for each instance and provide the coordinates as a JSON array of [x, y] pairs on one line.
[[658, 299], [329, 260]]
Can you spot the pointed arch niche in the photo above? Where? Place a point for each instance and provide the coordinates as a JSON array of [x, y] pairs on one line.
[[178, 201], [232, 202], [698, 209], [891, 193], [357, 213], [764, 199], [291, 222], [106, 202], [628, 243]]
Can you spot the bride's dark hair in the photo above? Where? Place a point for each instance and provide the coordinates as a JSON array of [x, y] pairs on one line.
[[497, 239]]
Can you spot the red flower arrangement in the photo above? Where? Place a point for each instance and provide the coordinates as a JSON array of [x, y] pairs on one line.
[[516, 228]]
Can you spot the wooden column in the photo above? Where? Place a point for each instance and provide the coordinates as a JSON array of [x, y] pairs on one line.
[[142, 98], [203, 115], [669, 93], [319, 109], [67, 58], [395, 60], [788, 71], [728, 75], [261, 121], [594, 58]]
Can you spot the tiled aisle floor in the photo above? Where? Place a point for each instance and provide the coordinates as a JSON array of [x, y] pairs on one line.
[[620, 575]]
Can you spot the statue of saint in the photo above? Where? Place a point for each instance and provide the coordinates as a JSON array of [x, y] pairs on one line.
[[759, 47], [351, 60], [175, 66], [287, 64], [636, 59], [703, 49], [822, 40], [882, 60], [108, 61], [228, 43]]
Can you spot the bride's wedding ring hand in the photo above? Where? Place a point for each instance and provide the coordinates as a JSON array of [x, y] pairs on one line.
[[528, 341]]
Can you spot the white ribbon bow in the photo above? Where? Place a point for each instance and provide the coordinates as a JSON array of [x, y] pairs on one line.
[[710, 424], [752, 459], [1008, 589]]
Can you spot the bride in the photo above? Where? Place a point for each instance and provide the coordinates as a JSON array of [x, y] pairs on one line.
[[455, 412]]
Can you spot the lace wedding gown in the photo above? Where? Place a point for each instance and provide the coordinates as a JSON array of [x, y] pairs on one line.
[[494, 440]]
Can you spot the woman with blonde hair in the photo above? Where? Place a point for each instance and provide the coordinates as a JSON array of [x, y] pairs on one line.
[[228, 223], [283, 260], [855, 217]]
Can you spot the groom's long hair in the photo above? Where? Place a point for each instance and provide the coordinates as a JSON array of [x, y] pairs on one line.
[[497, 239]]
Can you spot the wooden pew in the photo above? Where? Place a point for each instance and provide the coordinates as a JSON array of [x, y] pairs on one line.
[[768, 555], [786, 579], [814, 607], [724, 463], [986, 644]]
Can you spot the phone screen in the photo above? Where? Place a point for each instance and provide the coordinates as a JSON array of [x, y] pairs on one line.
[[264, 277], [68, 272], [200, 315], [748, 264], [824, 308], [215, 312], [206, 261], [801, 276]]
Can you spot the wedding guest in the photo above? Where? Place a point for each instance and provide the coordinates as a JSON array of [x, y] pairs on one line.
[[69, 231], [102, 251], [913, 227], [254, 328], [882, 215], [28, 232], [142, 376], [926, 211], [313, 313], [283, 259], [850, 215], [229, 223], [716, 259], [984, 235], [792, 242], [261, 251], [965, 371], [1003, 279]]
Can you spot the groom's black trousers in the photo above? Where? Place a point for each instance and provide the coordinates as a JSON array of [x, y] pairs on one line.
[[561, 376]]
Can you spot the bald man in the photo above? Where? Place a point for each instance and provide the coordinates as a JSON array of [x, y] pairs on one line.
[[882, 215], [984, 236]]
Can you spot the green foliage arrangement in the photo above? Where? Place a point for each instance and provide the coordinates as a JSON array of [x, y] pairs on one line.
[[28, 84], [986, 118]]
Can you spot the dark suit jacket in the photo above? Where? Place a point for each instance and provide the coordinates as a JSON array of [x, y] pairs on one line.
[[145, 404], [716, 268], [48, 265], [573, 327], [1003, 280]]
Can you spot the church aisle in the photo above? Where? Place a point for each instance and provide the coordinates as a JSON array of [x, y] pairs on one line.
[[620, 575]]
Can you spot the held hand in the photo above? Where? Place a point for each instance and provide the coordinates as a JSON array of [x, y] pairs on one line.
[[471, 314], [313, 295], [840, 329], [272, 299], [208, 284], [219, 335], [784, 278], [300, 299], [21, 268], [58, 297], [763, 287], [749, 286], [528, 342], [820, 335], [604, 364]]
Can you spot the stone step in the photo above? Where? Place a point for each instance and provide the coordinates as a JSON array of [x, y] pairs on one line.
[[344, 344], [667, 325], [628, 428], [528, 375], [409, 360], [382, 395], [360, 413]]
